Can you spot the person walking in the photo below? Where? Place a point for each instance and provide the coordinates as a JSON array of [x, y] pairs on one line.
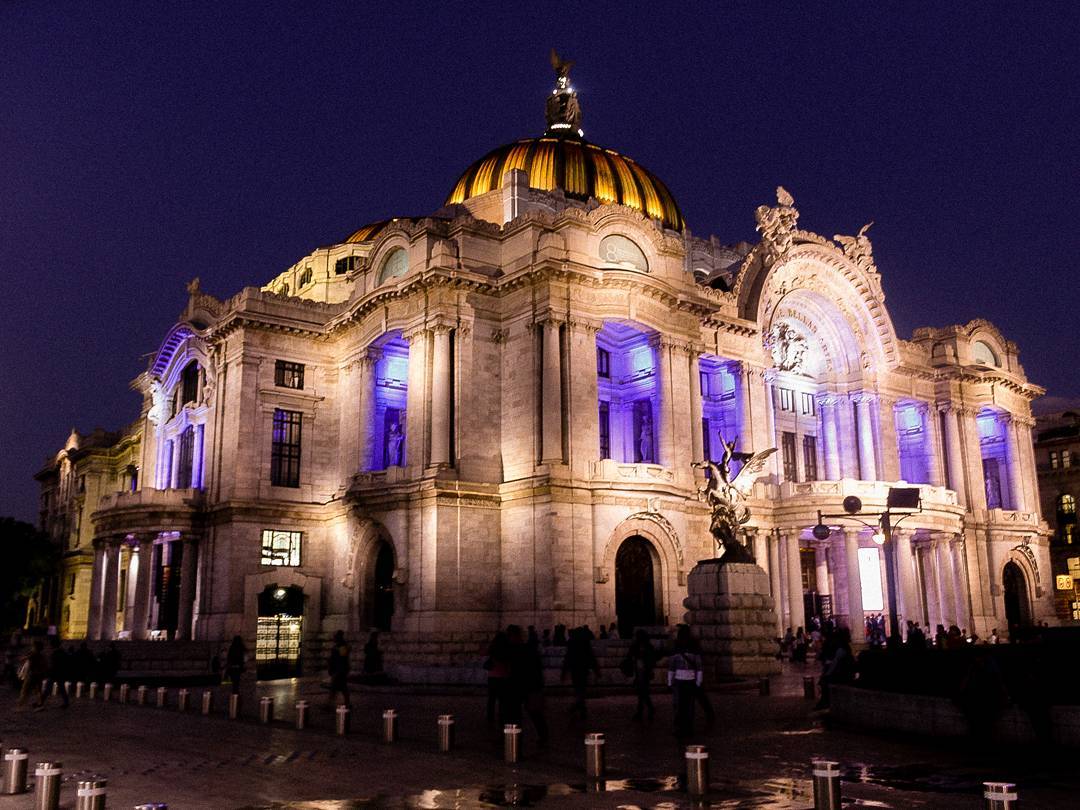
[[642, 657], [684, 678], [577, 663], [56, 673], [32, 671], [339, 670], [235, 663]]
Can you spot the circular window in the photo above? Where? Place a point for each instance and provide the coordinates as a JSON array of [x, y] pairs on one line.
[[984, 355], [395, 264], [617, 249]]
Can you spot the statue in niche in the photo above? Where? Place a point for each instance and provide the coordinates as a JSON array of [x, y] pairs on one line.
[[777, 225], [645, 445], [858, 248], [394, 442], [787, 347], [726, 496]]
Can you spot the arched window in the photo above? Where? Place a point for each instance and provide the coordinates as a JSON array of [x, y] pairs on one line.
[[189, 383], [1066, 505], [984, 355], [305, 277], [617, 249], [395, 264]]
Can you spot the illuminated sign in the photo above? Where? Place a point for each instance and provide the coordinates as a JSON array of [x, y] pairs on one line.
[[1064, 582], [870, 573]]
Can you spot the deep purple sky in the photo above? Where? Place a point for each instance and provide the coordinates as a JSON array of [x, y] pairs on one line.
[[145, 143]]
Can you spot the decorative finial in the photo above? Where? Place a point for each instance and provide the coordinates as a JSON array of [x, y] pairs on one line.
[[563, 110]]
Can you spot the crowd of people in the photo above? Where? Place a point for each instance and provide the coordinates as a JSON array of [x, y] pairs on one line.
[[32, 667]]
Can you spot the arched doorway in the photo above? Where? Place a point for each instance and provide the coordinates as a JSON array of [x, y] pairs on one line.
[[382, 611], [636, 588], [279, 632], [1017, 605]]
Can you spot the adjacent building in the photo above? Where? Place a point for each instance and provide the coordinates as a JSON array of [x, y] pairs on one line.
[[441, 425], [1057, 450]]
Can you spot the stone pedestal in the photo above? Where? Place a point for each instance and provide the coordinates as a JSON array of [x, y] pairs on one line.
[[731, 613]]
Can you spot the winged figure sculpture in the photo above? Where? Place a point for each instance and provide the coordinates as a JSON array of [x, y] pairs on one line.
[[726, 495]]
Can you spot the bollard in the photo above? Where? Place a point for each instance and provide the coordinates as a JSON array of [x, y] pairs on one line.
[[697, 770], [763, 686], [67, 687], [446, 733], [594, 756], [152, 806], [93, 690], [15, 765], [389, 726], [55, 688], [234, 707], [266, 710], [826, 784], [90, 794], [342, 726], [47, 786], [140, 696], [44, 687], [183, 697], [511, 742], [301, 714], [809, 688], [162, 697], [106, 692], [207, 702], [79, 686], [125, 690], [1000, 796]]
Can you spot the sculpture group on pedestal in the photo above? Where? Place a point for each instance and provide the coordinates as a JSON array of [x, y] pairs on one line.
[[726, 497]]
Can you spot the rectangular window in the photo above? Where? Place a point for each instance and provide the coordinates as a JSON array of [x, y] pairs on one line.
[[603, 363], [787, 399], [791, 471], [185, 462], [285, 449], [807, 403], [809, 452], [605, 429], [706, 439], [1066, 458], [288, 375], [345, 265], [704, 377], [189, 383], [1055, 460], [166, 469], [280, 547]]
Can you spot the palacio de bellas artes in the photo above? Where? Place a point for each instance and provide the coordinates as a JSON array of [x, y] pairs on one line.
[[500, 412]]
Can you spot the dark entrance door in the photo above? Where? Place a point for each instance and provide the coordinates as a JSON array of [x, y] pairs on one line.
[[635, 586], [384, 587], [280, 632], [1016, 598]]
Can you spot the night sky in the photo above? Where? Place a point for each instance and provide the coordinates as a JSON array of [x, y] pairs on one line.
[[143, 144]]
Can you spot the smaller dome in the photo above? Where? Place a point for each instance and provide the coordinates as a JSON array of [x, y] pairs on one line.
[[367, 232]]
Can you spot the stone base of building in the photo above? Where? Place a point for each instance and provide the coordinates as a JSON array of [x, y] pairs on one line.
[[732, 614]]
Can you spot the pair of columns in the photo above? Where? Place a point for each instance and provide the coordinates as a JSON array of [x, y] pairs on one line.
[[105, 587], [858, 427]]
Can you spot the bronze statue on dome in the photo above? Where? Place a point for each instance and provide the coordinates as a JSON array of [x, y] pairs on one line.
[[563, 109], [726, 497]]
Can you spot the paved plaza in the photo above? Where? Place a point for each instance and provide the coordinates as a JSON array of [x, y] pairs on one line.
[[760, 751]]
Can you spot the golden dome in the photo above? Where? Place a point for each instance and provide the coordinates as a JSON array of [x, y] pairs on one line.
[[581, 169]]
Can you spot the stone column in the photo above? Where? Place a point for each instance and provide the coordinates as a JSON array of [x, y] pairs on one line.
[[97, 580], [954, 454], [960, 582], [774, 579], [829, 443], [946, 582], [848, 440], [110, 590], [1016, 499], [197, 472], [662, 433], [935, 461], [889, 449], [905, 570], [760, 544], [795, 584], [976, 480], [417, 403], [867, 461], [821, 567], [144, 584], [746, 408], [440, 396], [697, 447], [187, 588], [856, 619], [551, 384]]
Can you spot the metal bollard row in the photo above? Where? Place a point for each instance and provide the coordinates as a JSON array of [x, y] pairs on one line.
[[826, 776], [342, 721], [47, 786], [390, 726], [594, 756], [511, 742], [90, 794], [301, 714], [16, 762], [1000, 795], [266, 710], [697, 771], [446, 733]]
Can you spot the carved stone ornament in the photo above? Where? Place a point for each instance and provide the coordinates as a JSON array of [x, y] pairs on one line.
[[158, 400], [787, 347], [858, 248], [777, 225]]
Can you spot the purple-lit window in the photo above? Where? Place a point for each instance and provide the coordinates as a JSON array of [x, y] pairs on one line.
[[186, 461], [285, 449], [605, 429], [603, 363], [189, 383], [393, 439]]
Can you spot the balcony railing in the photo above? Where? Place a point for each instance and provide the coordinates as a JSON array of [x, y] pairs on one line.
[[152, 498]]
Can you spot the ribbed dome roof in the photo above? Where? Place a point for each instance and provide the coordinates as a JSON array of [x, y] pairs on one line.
[[581, 169]]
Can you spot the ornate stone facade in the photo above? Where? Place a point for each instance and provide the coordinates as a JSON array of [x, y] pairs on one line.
[[489, 415]]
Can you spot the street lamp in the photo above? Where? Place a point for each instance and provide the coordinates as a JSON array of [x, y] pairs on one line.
[[905, 499]]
